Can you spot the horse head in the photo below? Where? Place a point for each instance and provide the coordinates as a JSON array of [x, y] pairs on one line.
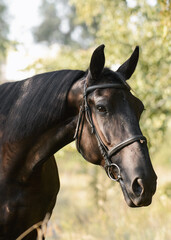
[[108, 131]]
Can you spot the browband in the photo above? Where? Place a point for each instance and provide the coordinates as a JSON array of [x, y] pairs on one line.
[[103, 86]]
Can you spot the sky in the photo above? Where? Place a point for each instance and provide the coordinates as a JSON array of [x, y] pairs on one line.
[[23, 16]]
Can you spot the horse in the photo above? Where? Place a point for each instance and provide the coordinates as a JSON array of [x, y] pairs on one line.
[[42, 114]]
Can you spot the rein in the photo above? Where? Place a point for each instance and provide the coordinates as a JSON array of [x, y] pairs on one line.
[[112, 169]]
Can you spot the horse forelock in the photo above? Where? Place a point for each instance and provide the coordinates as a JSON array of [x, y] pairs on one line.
[[34, 104]]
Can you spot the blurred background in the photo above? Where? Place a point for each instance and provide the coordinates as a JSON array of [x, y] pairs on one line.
[[45, 35]]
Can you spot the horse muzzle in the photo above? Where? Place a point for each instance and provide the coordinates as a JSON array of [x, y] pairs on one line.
[[140, 193]]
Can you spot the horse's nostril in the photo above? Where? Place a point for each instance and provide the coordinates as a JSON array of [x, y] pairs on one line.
[[138, 187]]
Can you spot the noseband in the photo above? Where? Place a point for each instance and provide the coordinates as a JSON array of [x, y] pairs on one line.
[[112, 169]]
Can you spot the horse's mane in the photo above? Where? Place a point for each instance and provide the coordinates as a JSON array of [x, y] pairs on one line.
[[28, 106]]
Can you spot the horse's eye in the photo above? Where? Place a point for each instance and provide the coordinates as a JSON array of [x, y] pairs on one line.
[[101, 109]]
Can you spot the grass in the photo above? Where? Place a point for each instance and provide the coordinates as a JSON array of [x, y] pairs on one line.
[[91, 207]]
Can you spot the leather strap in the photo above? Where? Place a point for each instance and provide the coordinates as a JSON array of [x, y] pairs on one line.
[[125, 143], [103, 86]]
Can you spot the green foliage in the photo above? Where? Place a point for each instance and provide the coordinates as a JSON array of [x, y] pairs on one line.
[[162, 155]]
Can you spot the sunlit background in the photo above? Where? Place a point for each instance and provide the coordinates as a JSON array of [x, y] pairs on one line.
[[22, 16], [44, 35]]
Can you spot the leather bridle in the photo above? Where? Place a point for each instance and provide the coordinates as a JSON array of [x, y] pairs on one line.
[[112, 169]]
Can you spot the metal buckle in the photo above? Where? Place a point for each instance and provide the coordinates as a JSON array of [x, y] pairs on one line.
[[113, 168]]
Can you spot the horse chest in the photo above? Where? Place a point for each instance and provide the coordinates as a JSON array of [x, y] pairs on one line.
[[23, 205]]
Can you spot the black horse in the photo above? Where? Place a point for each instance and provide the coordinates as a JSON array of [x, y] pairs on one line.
[[40, 115]]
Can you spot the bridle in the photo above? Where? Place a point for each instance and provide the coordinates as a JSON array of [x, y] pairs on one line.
[[113, 170]]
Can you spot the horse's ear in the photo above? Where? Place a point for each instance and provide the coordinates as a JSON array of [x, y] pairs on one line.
[[128, 67], [96, 64]]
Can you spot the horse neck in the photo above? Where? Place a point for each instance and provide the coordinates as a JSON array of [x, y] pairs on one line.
[[34, 150]]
